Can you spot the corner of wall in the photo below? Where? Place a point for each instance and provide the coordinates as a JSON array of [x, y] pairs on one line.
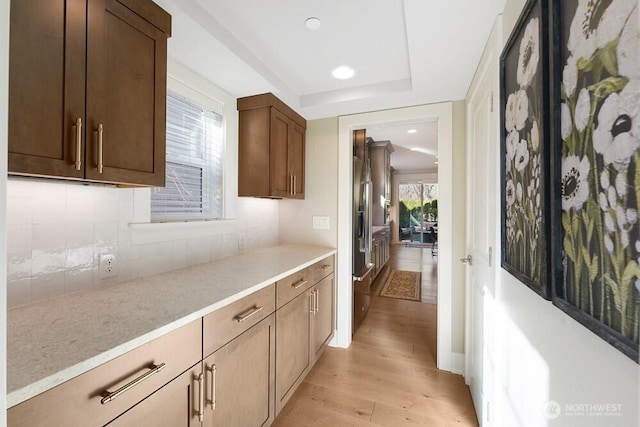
[[459, 234], [321, 189]]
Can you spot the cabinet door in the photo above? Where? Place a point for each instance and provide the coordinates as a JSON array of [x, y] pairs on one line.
[[126, 95], [323, 315], [239, 379], [387, 248], [176, 404], [46, 87], [360, 149], [296, 159], [280, 176], [253, 152], [292, 346], [387, 175], [375, 256]]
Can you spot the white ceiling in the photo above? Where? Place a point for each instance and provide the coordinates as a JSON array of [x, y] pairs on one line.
[[413, 152], [404, 52]]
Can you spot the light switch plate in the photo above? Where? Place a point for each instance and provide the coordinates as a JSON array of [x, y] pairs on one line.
[[321, 223]]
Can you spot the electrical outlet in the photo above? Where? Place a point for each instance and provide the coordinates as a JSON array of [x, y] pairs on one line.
[[108, 266]]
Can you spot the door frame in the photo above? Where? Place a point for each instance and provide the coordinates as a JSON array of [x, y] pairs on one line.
[[478, 93], [4, 114], [443, 114]]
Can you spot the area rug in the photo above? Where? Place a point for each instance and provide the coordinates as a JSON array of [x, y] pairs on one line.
[[402, 285]]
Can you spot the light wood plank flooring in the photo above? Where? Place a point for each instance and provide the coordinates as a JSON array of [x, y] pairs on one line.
[[388, 376]]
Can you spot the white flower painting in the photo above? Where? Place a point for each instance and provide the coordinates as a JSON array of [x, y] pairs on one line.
[[574, 182], [524, 139], [599, 184], [529, 53]]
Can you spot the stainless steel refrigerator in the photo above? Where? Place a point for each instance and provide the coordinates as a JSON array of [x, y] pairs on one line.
[[362, 266], [361, 218]]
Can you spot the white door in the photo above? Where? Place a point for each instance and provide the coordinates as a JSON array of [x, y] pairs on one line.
[[481, 241]]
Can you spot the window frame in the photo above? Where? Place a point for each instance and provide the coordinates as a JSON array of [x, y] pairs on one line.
[[208, 102], [143, 230]]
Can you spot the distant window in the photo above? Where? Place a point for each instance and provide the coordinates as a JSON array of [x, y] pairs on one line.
[[195, 153]]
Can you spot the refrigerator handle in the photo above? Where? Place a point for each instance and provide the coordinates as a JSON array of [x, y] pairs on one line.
[[364, 275], [368, 214]]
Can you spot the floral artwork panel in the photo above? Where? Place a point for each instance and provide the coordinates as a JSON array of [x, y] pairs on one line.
[[599, 170], [524, 104]]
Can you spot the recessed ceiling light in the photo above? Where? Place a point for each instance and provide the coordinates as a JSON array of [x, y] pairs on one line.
[[412, 131], [343, 72], [313, 23]]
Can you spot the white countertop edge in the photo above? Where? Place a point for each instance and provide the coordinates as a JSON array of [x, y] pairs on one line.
[[20, 395]]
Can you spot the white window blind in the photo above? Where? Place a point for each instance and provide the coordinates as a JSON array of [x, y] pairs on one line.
[[195, 152]]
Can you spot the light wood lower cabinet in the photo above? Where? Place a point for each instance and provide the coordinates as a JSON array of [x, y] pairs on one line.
[[239, 379], [293, 323], [322, 319], [381, 242], [304, 326], [177, 404], [225, 324]]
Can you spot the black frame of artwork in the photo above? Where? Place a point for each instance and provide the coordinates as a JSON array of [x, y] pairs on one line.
[[525, 209], [588, 293]]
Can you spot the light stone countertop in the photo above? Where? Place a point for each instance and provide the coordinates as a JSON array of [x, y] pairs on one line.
[[52, 341]]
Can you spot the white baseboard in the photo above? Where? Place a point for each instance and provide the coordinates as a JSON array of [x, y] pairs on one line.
[[457, 363]]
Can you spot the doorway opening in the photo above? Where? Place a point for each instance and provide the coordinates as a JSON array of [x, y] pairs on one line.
[[448, 222]]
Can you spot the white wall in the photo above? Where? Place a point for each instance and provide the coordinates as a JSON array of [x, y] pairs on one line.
[[4, 97], [321, 189], [57, 231], [537, 355]]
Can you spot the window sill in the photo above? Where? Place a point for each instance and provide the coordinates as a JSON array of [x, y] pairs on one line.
[[156, 232]]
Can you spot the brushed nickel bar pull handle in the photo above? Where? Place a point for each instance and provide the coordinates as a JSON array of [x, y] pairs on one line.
[[108, 396], [316, 306], [299, 283], [311, 295], [295, 185], [201, 399], [291, 184], [247, 314], [78, 143], [213, 371], [326, 267], [100, 160]]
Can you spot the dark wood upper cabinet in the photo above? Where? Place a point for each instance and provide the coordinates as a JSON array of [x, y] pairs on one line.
[[380, 158], [87, 90], [271, 148], [46, 86], [360, 147]]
